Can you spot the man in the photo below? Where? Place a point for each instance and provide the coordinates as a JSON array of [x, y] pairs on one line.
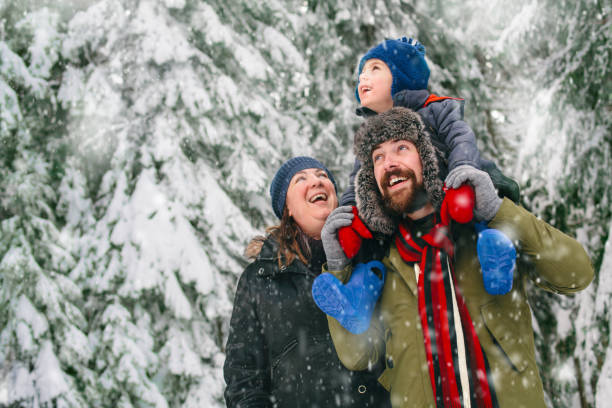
[[446, 341]]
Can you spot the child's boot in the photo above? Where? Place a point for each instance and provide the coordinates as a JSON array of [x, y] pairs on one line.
[[497, 256]]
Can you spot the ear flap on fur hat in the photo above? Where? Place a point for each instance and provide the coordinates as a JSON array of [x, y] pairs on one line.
[[370, 203], [395, 124]]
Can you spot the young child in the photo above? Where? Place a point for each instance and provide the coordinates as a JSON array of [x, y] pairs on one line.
[[395, 73]]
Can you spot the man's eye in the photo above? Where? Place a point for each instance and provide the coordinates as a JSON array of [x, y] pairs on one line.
[[323, 174], [377, 157]]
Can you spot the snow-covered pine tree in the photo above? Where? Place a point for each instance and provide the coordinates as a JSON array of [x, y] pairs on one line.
[[140, 92], [171, 116], [44, 350], [571, 45]]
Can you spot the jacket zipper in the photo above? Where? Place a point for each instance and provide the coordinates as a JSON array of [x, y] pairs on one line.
[[290, 346]]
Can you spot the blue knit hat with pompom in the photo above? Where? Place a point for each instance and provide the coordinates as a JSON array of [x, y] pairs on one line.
[[282, 178], [405, 58]]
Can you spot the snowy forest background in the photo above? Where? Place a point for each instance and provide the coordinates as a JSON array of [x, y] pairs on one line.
[[138, 139]]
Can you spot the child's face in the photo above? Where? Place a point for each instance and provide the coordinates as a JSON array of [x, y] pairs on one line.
[[374, 87]]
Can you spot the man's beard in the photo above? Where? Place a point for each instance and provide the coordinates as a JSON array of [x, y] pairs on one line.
[[407, 199]]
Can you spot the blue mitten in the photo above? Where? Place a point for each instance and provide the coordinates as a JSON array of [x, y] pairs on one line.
[[352, 303], [497, 256]]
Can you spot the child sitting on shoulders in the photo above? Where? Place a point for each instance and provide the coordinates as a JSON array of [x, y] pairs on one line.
[[395, 73]]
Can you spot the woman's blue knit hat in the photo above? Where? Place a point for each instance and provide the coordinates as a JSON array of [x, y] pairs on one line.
[[405, 58], [282, 178]]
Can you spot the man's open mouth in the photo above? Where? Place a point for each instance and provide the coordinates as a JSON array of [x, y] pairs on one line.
[[394, 180]]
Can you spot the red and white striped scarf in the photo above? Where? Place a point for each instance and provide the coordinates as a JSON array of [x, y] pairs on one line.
[[458, 368]]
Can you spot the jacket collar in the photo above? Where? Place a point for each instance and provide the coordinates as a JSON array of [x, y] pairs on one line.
[[365, 112], [269, 250], [411, 99], [407, 98], [269, 259]]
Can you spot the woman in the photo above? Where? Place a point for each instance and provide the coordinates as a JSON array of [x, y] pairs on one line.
[[279, 351]]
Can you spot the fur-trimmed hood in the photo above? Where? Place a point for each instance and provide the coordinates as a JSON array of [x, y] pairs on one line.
[[395, 124]]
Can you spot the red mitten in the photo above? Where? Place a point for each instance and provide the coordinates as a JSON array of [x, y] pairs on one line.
[[350, 237], [458, 204]]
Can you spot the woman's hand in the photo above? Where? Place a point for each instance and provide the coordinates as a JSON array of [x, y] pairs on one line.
[[340, 217]]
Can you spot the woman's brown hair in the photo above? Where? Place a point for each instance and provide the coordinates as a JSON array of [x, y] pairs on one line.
[[292, 242]]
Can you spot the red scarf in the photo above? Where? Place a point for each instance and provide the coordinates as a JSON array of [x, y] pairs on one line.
[[433, 250]]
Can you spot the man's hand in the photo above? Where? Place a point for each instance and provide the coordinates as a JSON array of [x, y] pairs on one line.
[[340, 217], [487, 201]]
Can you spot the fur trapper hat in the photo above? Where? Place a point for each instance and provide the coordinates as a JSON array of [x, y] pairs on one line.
[[395, 124]]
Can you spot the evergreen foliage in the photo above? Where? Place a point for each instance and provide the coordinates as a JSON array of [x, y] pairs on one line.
[[138, 140]]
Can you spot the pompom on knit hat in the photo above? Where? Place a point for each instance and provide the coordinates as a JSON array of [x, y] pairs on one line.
[[395, 124], [405, 58], [282, 178]]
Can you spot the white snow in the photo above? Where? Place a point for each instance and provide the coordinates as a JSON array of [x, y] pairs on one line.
[[154, 238], [160, 41], [76, 346], [604, 383], [13, 68], [35, 321], [184, 83], [282, 49], [216, 32], [9, 114], [48, 375], [22, 383], [179, 354], [517, 27], [252, 62], [94, 28], [604, 288], [44, 47]]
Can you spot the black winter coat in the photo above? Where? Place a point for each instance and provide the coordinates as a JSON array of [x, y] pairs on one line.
[[279, 352]]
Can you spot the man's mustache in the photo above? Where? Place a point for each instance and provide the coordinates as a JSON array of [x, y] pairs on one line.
[[406, 173]]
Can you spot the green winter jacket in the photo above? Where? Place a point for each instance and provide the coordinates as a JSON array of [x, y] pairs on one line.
[[551, 259]]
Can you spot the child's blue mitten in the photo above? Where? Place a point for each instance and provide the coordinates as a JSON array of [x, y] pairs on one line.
[[352, 303]]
